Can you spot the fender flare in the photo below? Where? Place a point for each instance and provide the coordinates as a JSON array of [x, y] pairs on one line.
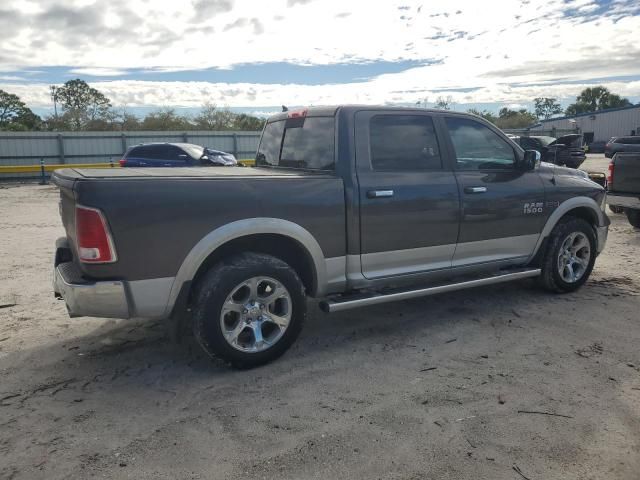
[[241, 228], [564, 208]]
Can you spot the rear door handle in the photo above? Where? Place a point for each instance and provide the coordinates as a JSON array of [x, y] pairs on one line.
[[379, 193], [475, 189]]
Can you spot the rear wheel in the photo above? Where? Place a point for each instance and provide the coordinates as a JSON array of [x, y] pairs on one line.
[[633, 216], [569, 257], [249, 309]]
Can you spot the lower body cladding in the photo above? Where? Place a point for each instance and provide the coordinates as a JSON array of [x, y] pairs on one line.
[[110, 298]]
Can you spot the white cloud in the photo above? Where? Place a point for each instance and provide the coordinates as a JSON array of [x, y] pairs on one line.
[[99, 71], [492, 47]]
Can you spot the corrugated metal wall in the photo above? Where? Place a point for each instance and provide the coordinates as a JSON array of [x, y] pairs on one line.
[[603, 125], [28, 148]]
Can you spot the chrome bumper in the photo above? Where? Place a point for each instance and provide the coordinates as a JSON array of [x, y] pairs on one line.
[[601, 237], [106, 299]]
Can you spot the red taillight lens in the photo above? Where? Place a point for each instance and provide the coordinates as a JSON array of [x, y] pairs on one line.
[[297, 113], [610, 174], [122, 162], [92, 237]]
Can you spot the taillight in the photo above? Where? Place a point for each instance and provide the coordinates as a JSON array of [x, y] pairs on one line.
[[122, 162], [298, 113], [93, 237], [610, 174]]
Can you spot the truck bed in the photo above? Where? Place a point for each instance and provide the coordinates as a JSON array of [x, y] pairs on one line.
[[157, 215]]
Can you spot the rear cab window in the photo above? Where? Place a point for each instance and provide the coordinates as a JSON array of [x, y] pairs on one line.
[[305, 142]]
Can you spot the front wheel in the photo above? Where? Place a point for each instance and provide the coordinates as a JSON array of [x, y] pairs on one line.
[[569, 257], [249, 309]]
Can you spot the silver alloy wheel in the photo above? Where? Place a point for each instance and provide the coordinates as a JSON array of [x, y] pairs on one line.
[[256, 314], [574, 257]]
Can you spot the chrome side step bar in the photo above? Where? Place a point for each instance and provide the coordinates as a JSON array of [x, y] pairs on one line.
[[331, 306]]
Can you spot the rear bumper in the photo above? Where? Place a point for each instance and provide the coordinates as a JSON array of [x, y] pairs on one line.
[[105, 299], [626, 201], [86, 296]]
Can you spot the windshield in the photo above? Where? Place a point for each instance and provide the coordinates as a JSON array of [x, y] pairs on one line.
[[545, 141], [195, 151], [298, 143]]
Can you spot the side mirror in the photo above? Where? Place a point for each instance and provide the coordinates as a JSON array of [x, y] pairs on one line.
[[204, 159], [531, 160]]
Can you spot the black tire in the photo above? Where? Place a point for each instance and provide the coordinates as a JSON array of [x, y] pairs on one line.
[[616, 208], [550, 279], [218, 284], [633, 216]]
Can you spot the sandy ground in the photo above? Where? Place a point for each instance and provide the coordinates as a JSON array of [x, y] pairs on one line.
[[423, 389]]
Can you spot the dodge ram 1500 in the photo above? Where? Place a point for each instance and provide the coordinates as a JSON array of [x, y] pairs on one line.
[[354, 205]]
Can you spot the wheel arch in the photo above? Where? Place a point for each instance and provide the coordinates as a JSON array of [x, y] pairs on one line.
[[581, 207], [281, 238]]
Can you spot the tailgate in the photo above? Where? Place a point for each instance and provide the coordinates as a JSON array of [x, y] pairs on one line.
[[65, 179], [626, 173]]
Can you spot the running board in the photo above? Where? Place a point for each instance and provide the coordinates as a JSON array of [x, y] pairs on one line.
[[331, 306]]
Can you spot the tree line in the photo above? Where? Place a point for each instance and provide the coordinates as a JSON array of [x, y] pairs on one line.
[[590, 99], [78, 106]]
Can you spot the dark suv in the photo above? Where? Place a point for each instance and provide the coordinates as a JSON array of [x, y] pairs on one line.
[[566, 150], [174, 155], [622, 144]]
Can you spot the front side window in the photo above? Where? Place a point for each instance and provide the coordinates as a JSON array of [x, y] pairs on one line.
[[173, 153], [403, 142], [298, 143], [477, 147]]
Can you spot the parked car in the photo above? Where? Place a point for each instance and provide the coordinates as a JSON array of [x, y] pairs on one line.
[[596, 147], [352, 205], [174, 155], [566, 150], [622, 144], [623, 185]]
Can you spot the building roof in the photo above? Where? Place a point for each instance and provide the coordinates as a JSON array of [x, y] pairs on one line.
[[587, 114]]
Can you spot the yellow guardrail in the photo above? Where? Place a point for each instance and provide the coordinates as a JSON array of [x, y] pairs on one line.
[[51, 168], [57, 166]]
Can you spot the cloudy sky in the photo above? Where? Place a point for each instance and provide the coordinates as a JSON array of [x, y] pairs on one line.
[[256, 55]]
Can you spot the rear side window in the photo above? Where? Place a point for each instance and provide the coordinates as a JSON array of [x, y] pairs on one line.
[[298, 143], [478, 147], [404, 142], [138, 152], [147, 151]]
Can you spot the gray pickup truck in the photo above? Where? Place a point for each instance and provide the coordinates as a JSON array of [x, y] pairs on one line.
[[623, 183], [353, 205]]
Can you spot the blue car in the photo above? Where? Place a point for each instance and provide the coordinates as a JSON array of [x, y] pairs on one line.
[[175, 155]]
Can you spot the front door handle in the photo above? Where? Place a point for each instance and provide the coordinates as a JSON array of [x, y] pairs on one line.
[[379, 193], [475, 189]]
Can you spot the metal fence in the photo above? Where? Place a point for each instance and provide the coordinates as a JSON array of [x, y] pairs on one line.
[[60, 148]]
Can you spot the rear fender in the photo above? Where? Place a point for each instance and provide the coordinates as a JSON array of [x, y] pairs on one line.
[[250, 226]]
